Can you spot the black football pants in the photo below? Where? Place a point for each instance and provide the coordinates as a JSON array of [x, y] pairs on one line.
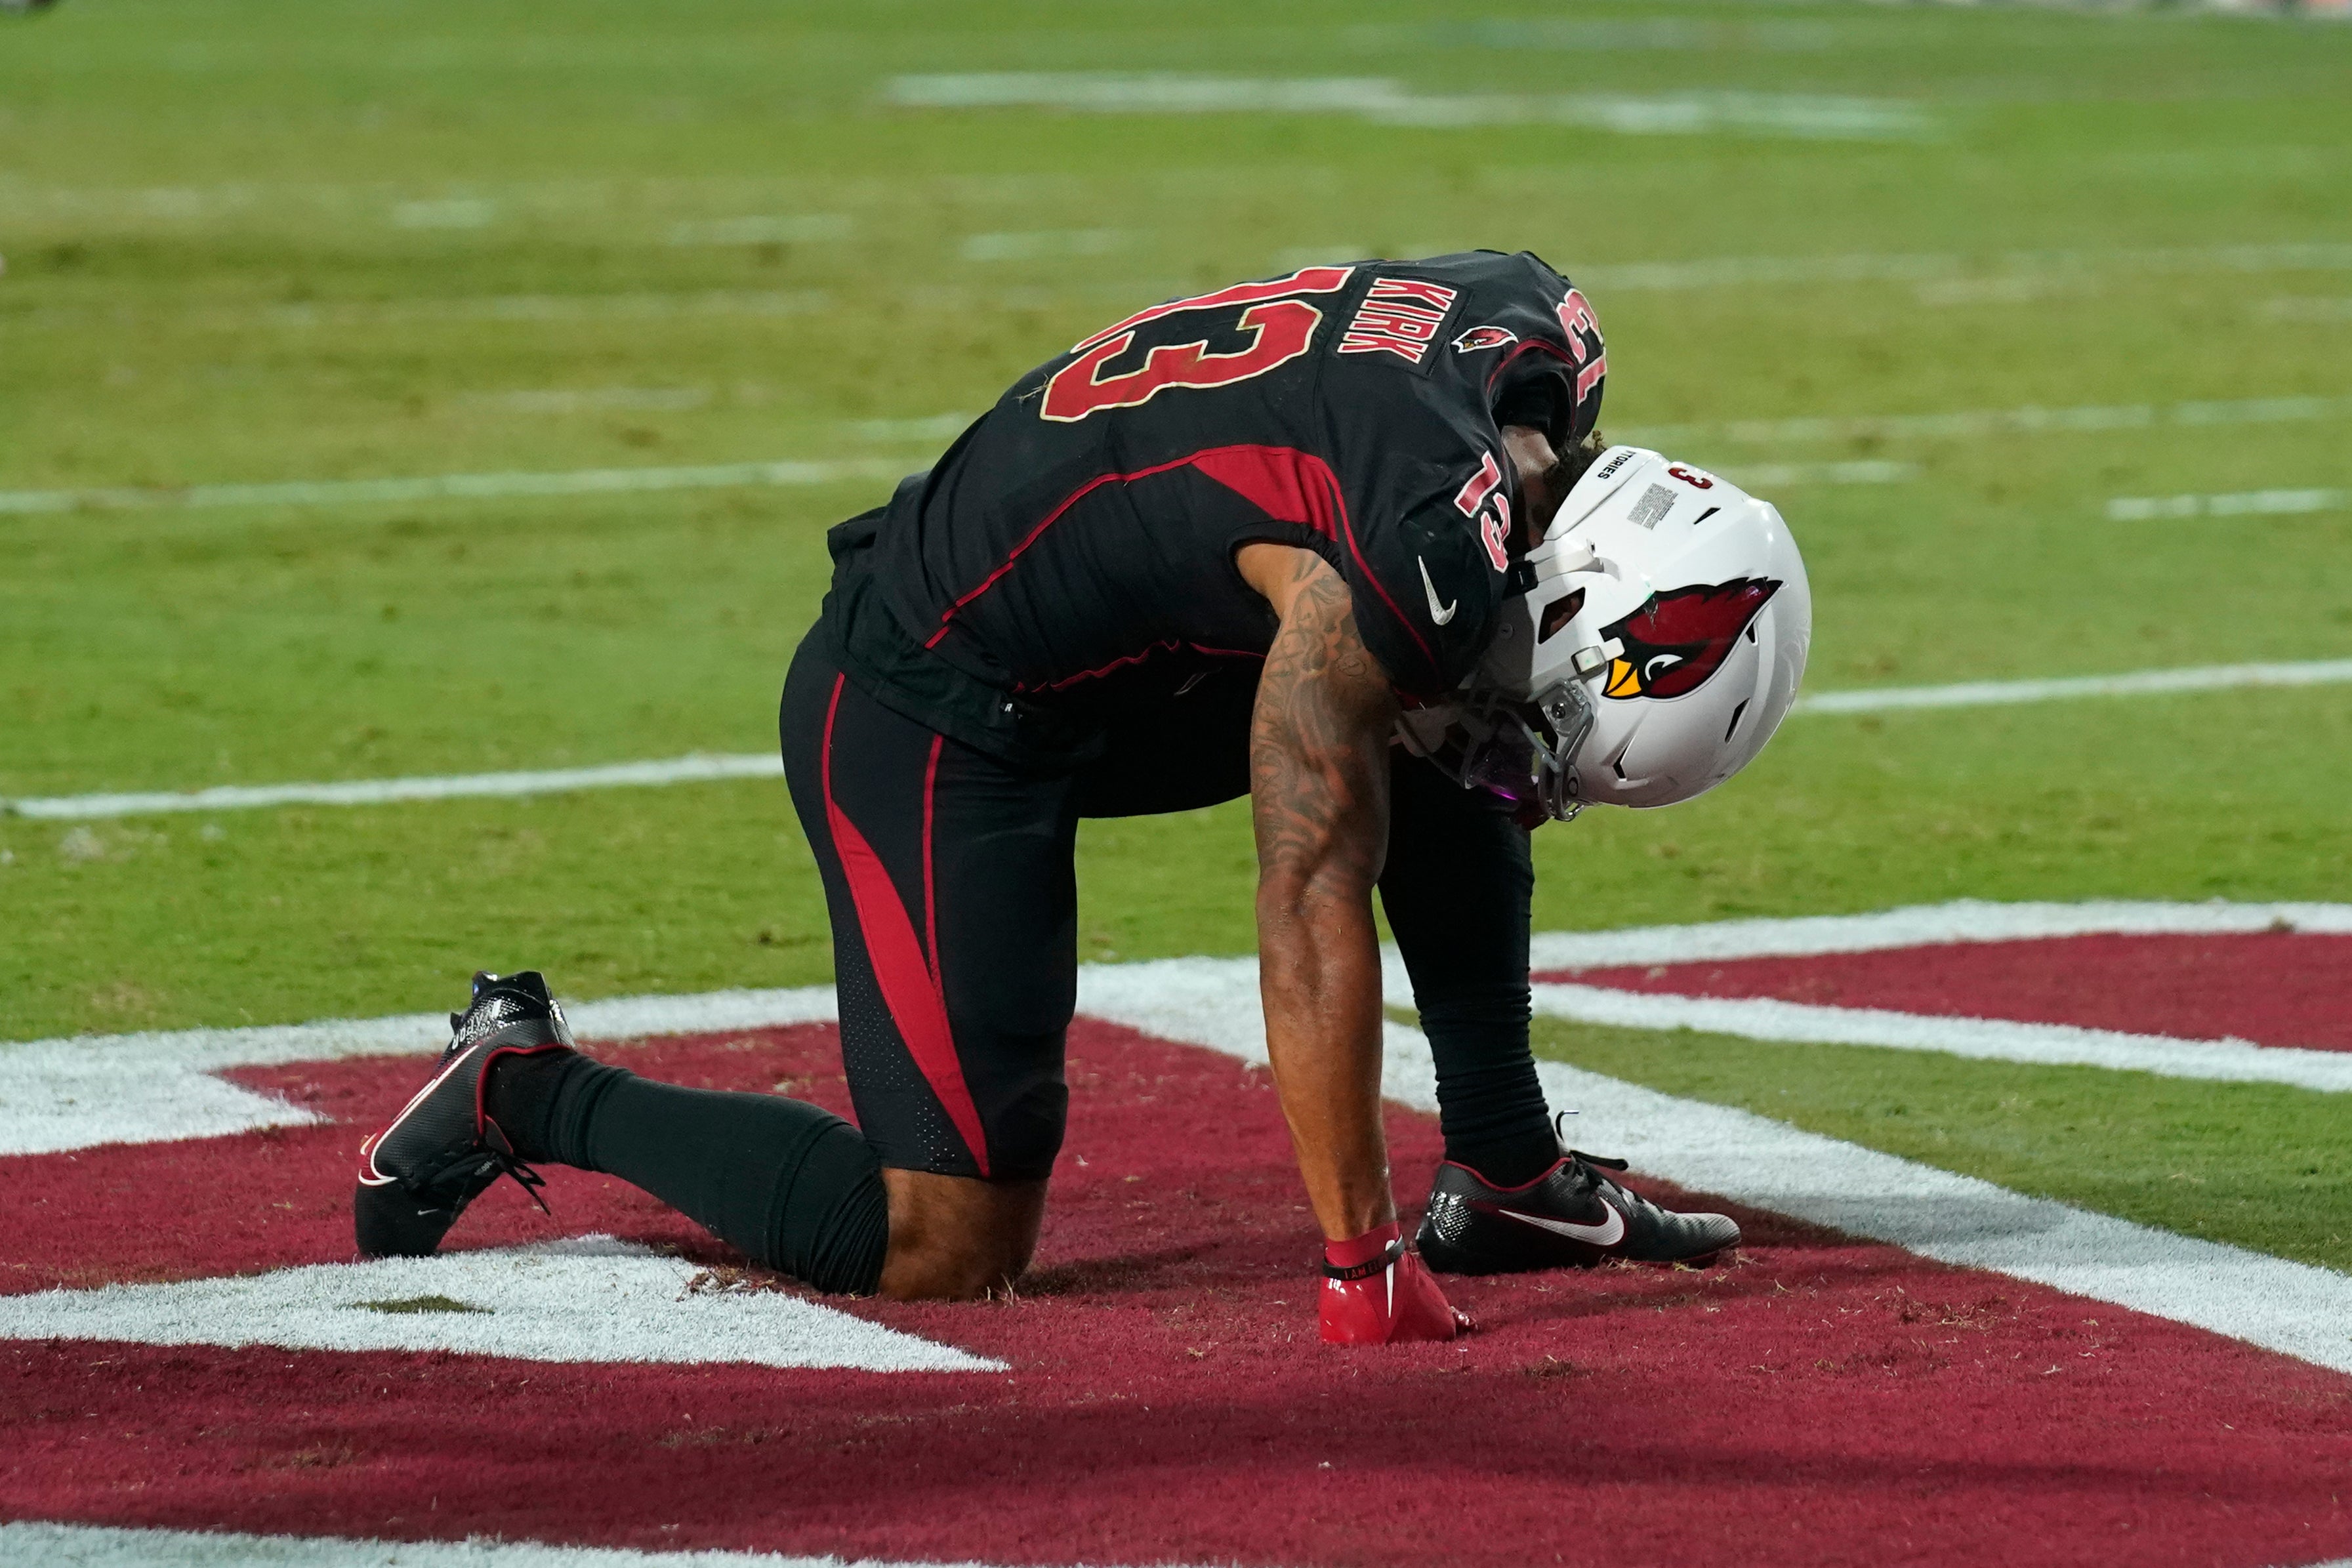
[[948, 879]]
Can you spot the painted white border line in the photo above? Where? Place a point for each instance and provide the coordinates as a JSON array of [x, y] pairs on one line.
[[701, 767], [2136, 683], [1984, 1039], [698, 768], [2032, 419], [456, 486], [2239, 503], [587, 1299], [58, 1095], [77, 1092], [1385, 100], [2291, 1308], [59, 1545], [1921, 925]]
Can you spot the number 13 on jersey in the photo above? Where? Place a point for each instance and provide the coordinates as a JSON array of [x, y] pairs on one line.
[[1280, 329]]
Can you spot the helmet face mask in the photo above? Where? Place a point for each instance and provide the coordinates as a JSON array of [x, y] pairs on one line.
[[1653, 644], [1522, 753]]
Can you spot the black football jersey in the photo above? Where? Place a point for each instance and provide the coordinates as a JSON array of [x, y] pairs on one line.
[[1072, 554]]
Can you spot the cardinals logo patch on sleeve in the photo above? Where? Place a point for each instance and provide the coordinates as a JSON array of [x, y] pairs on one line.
[[1676, 641], [1478, 337]]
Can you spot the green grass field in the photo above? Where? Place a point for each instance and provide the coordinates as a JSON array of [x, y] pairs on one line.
[[282, 242]]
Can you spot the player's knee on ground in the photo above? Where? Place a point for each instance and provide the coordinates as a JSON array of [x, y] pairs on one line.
[[797, 1188], [952, 1238]]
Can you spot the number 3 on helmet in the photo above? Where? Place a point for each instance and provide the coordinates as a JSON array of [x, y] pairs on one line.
[[1650, 646]]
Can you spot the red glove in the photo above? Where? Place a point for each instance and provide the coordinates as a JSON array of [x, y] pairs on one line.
[[1375, 1292]]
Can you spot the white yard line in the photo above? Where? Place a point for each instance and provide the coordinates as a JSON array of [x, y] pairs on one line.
[[2291, 1308], [1385, 100], [1764, 271], [701, 767], [2029, 420], [1921, 925], [457, 487], [587, 1300], [696, 769], [711, 476], [2288, 1306], [57, 1545], [2136, 683], [1985, 1039], [64, 1094], [1990, 1039], [2239, 503]]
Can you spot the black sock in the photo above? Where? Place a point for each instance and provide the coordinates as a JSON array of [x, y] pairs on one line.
[[1493, 1114], [795, 1187]]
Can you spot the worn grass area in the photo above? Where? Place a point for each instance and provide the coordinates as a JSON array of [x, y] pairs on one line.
[[284, 241], [2255, 1165]]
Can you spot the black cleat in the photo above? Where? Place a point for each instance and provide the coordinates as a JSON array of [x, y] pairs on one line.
[[441, 1151], [1570, 1216]]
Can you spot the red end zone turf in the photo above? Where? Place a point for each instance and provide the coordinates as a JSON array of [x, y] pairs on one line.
[[1167, 1401], [2275, 988]]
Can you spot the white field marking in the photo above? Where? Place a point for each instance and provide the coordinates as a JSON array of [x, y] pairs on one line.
[[1773, 476], [586, 400], [1386, 102], [1939, 278], [1984, 1039], [931, 427], [702, 767], [2136, 683], [57, 1545], [1678, 36], [1923, 925], [1764, 271], [635, 306], [457, 487], [2291, 1308], [803, 228], [1756, 1019], [59, 1095], [1211, 1002], [591, 1300], [462, 212], [483, 307], [957, 297], [2030, 420], [1036, 244], [2309, 308], [2241, 503]]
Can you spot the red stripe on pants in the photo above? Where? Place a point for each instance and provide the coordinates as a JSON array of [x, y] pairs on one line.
[[909, 985]]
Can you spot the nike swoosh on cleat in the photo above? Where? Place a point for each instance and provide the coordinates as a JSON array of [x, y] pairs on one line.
[[1605, 1235], [1438, 612]]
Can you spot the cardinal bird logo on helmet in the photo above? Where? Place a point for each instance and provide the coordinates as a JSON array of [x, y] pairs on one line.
[[1675, 642]]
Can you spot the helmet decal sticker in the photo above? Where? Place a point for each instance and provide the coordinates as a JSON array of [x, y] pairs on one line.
[[1676, 641]]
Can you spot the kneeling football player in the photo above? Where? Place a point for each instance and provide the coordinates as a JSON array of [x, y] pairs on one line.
[[1346, 542]]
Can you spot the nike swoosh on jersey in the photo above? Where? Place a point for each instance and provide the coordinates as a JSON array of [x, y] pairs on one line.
[[1607, 1233], [1438, 612]]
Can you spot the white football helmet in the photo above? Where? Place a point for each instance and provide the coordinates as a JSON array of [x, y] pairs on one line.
[[1648, 648]]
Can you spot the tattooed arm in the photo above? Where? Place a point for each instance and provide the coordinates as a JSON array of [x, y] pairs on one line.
[[1319, 795]]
